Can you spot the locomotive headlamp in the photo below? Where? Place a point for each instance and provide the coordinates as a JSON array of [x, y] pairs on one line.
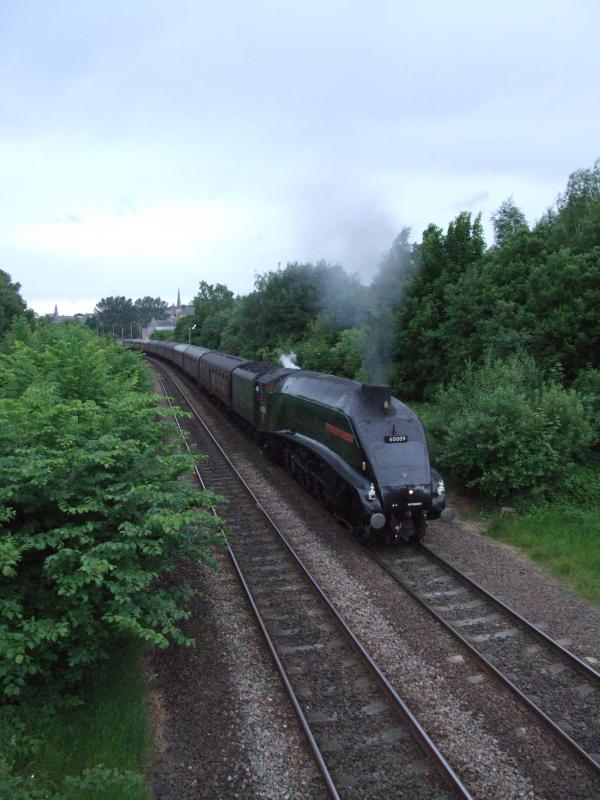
[[441, 489], [377, 521], [411, 491]]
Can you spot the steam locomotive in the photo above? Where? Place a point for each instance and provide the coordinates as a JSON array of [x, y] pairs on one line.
[[359, 450]]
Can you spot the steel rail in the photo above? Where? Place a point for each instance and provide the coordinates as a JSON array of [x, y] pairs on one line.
[[419, 732], [555, 729], [318, 756], [585, 669]]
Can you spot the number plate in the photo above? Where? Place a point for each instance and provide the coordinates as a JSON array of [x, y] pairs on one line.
[[395, 439]]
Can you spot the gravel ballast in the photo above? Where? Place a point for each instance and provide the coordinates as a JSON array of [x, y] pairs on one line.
[[513, 577], [227, 728], [223, 724], [496, 747]]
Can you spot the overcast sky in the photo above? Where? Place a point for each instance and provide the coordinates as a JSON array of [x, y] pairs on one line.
[[145, 146]]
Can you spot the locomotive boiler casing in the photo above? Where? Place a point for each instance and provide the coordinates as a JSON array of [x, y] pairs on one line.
[[375, 443]]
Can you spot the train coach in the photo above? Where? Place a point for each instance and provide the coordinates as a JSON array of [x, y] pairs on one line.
[[360, 451]]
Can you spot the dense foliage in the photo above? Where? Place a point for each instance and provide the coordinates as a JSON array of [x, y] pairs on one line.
[[504, 431], [92, 507], [442, 321], [12, 305], [300, 304], [536, 290], [122, 315], [437, 314]]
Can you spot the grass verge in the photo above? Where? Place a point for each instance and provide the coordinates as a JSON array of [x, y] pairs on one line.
[[94, 750], [564, 539]]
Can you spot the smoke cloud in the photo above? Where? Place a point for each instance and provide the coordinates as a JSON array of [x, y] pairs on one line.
[[288, 360], [343, 224]]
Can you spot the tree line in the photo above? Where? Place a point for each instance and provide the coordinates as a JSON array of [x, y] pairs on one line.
[[437, 311], [94, 511], [433, 305], [440, 319], [123, 316]]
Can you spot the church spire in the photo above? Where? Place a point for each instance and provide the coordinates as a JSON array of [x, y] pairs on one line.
[[178, 301], [55, 311]]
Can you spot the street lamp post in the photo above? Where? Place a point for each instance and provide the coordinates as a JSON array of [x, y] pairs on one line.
[[190, 329]]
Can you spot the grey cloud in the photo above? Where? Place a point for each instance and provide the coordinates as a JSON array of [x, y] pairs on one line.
[[472, 202], [338, 123], [73, 219], [124, 206], [345, 224]]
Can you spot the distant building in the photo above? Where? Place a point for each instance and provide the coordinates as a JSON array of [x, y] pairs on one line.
[[60, 318], [177, 311], [157, 325], [172, 314]]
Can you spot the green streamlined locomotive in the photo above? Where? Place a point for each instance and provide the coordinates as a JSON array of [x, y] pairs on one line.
[[361, 451]]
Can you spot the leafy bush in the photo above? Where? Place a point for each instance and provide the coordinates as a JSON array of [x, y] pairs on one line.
[[94, 744], [502, 431], [332, 353], [103, 782], [96, 783], [587, 384], [92, 508], [15, 787]]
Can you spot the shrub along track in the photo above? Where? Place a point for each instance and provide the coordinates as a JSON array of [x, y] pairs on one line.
[[366, 741], [490, 740], [561, 689]]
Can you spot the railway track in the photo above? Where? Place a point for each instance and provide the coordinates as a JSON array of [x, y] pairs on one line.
[[558, 687], [366, 741]]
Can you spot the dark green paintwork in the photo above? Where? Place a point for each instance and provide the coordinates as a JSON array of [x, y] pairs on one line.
[[244, 397], [287, 412]]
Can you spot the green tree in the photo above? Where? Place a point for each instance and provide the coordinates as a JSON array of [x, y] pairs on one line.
[[278, 314], [332, 352], [182, 328], [210, 299], [93, 510], [115, 313], [464, 243], [147, 308], [11, 302], [500, 429], [213, 328], [577, 223], [506, 221], [289, 299], [421, 343], [163, 336], [525, 295]]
